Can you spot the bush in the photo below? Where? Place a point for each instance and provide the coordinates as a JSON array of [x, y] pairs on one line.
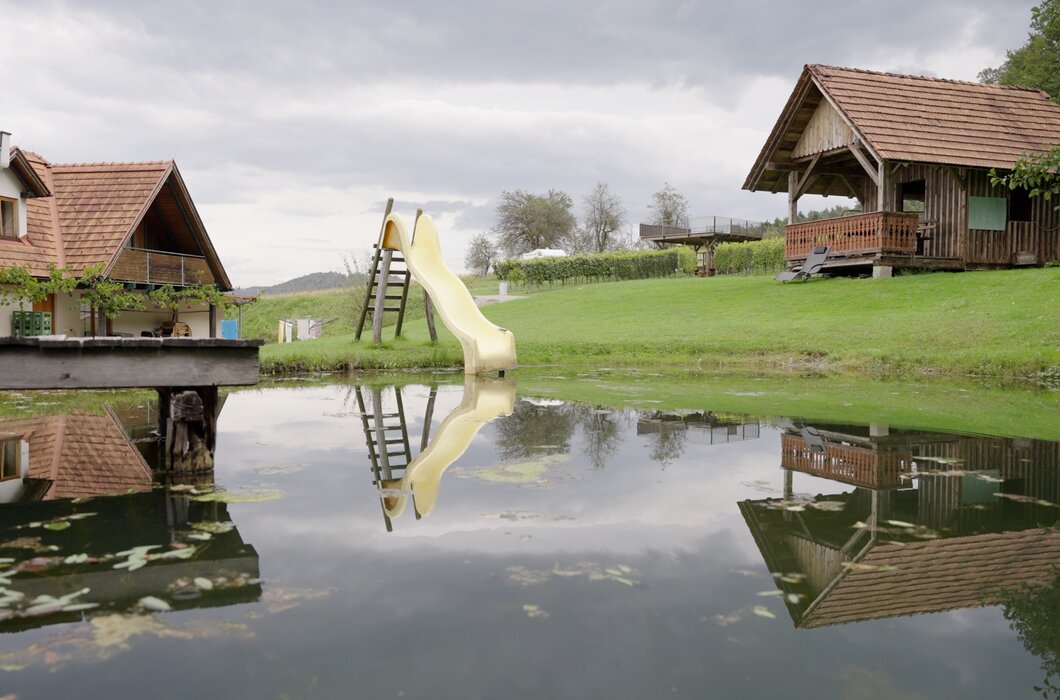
[[600, 266], [750, 258]]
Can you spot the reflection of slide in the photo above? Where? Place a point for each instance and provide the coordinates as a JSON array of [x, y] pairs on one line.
[[487, 348], [484, 399]]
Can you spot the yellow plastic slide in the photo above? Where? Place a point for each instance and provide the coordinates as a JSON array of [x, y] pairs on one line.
[[485, 398], [487, 348]]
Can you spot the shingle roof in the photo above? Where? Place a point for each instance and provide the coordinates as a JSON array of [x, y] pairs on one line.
[[930, 120], [937, 575], [915, 119], [81, 454]]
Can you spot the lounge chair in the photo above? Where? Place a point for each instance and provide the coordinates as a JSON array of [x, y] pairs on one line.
[[812, 266]]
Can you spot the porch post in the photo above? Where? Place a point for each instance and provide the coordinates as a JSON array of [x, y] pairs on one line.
[[213, 320], [793, 197], [881, 189]]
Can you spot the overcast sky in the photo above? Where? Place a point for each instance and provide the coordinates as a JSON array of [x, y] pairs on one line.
[[293, 122]]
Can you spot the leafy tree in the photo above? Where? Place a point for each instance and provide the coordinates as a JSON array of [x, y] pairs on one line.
[[1038, 173], [17, 285], [602, 220], [1037, 63], [1033, 611], [668, 207], [481, 254], [169, 298], [528, 221]]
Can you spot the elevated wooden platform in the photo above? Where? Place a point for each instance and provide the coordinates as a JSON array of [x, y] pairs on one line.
[[703, 234], [57, 362]]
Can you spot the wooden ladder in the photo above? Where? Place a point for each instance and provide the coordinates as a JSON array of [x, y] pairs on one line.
[[387, 437], [381, 291]]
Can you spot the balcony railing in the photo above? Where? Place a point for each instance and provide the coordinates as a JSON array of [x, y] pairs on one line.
[[874, 232], [156, 267], [720, 226]]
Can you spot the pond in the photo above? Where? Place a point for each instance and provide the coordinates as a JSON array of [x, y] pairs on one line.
[[503, 539]]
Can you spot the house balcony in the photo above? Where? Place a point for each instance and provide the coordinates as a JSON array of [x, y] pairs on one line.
[[155, 267], [871, 234]]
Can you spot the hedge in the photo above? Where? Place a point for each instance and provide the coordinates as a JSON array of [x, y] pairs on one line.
[[599, 266], [750, 258]]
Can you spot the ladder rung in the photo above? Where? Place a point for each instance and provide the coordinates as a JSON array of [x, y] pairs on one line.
[[393, 442], [395, 454], [392, 296]]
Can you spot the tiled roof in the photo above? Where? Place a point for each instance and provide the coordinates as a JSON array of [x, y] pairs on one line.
[[92, 211], [82, 455], [99, 204], [938, 575], [912, 119], [920, 119]]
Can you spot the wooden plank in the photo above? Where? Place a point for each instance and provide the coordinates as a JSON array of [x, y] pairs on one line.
[[118, 363], [429, 309], [872, 171]]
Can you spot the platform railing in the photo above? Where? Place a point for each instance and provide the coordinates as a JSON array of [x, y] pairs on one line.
[[874, 232], [157, 267]]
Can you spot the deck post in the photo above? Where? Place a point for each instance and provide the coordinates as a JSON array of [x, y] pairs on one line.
[[793, 197], [213, 320]]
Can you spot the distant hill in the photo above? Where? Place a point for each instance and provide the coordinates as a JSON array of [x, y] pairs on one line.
[[313, 282]]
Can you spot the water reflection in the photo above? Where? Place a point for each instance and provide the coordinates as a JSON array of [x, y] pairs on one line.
[[399, 477], [68, 480], [934, 522]]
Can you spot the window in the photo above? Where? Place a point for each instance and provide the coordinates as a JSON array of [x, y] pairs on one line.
[[10, 451], [911, 196], [8, 219], [986, 213], [1019, 205]]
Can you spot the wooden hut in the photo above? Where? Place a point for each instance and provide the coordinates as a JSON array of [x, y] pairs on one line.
[[916, 153]]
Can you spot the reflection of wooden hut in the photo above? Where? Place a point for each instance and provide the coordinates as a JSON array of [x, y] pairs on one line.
[[704, 427], [73, 455], [968, 543]]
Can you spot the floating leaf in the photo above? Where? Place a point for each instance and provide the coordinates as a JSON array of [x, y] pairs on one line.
[[200, 536], [215, 528], [57, 525], [534, 611], [899, 523], [76, 559], [204, 583], [763, 612], [248, 496], [155, 604], [770, 593]]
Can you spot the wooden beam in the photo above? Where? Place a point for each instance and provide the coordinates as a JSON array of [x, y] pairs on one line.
[[808, 177], [872, 171], [955, 174], [881, 187], [793, 200], [850, 187], [843, 116]]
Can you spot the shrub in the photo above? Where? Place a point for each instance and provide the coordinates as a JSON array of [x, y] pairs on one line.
[[750, 258], [626, 265]]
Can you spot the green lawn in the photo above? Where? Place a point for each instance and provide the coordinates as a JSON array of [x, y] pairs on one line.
[[998, 323]]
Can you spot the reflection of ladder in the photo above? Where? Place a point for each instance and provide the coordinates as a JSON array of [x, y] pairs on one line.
[[387, 438], [380, 294]]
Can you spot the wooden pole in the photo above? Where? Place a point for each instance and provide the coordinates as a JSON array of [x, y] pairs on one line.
[[380, 297], [429, 308], [793, 197], [372, 272]]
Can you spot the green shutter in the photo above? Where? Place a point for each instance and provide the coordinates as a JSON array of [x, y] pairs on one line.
[[987, 213]]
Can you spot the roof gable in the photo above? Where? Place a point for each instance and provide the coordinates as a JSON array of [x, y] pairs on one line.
[[910, 119], [93, 210]]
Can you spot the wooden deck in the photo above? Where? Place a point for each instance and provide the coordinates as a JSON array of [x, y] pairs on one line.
[[121, 363]]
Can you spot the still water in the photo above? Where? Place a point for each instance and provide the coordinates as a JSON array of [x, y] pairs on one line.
[[469, 541]]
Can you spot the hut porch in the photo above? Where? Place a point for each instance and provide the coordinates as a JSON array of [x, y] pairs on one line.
[[703, 234]]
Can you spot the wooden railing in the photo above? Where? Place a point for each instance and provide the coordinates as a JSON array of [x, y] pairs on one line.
[[857, 466], [155, 267], [874, 232]]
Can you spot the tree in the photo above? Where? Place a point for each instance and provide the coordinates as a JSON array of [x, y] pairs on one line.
[[603, 218], [1037, 63], [668, 207], [1033, 611], [481, 254], [528, 221], [1038, 173]]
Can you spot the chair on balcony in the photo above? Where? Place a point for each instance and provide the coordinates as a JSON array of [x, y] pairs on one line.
[[813, 264]]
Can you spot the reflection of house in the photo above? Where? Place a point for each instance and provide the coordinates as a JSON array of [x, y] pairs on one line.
[[916, 153], [940, 540], [118, 524], [136, 220], [706, 428], [73, 455]]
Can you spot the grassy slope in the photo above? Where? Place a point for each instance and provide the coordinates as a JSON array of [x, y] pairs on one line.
[[992, 323]]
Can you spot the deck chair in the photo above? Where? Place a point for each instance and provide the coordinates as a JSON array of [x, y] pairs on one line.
[[813, 264]]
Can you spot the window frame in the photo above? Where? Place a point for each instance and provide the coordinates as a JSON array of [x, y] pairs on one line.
[[14, 219]]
